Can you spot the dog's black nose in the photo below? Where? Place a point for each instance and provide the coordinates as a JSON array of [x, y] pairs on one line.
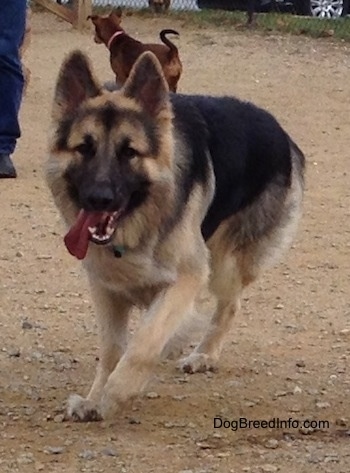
[[98, 198]]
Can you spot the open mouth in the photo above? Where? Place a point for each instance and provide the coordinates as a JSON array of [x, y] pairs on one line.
[[97, 227], [103, 231]]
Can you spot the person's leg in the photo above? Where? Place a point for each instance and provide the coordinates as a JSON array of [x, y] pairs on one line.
[[12, 27]]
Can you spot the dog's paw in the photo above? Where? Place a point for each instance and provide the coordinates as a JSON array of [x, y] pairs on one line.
[[118, 395], [112, 403], [171, 352], [80, 409], [109, 408], [197, 363]]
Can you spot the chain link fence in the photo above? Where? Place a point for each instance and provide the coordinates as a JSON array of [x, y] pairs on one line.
[[319, 18], [182, 5]]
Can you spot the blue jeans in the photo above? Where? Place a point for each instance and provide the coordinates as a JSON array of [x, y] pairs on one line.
[[12, 27]]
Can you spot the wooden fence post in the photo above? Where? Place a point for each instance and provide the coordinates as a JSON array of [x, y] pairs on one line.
[[83, 9], [76, 15]]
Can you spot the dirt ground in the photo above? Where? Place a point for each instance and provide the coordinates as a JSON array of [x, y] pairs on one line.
[[287, 355]]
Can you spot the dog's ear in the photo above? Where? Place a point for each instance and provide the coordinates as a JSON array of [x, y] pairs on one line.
[[93, 18], [147, 85], [116, 16], [75, 84], [117, 13]]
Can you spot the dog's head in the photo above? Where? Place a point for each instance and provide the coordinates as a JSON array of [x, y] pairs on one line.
[[159, 6], [111, 152], [106, 26]]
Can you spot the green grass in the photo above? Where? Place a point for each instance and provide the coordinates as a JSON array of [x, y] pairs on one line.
[[309, 26], [268, 23]]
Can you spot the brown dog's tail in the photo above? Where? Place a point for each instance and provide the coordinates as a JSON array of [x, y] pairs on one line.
[[173, 51]]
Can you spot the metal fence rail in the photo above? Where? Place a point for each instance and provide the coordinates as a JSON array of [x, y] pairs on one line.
[[292, 16], [324, 8]]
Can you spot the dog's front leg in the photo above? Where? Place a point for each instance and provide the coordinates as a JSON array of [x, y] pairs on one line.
[[112, 317], [165, 316]]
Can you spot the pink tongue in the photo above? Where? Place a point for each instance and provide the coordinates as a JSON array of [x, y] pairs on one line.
[[77, 239]]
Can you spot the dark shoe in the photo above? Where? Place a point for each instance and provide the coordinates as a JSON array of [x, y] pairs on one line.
[[7, 169]]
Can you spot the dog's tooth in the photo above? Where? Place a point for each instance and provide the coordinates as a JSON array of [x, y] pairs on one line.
[[102, 238], [92, 230]]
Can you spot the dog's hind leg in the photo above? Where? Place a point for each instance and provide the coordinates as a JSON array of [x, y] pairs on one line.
[[226, 284], [112, 317], [241, 249], [206, 355]]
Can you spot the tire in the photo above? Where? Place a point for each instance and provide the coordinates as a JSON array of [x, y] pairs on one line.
[[306, 7]]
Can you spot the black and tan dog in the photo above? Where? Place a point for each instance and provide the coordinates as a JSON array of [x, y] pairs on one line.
[[163, 195], [159, 6]]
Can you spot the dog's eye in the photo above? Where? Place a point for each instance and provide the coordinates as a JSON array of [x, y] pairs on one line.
[[83, 149], [87, 148], [128, 153]]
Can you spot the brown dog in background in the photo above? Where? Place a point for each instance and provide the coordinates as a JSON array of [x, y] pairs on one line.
[[159, 6], [124, 50]]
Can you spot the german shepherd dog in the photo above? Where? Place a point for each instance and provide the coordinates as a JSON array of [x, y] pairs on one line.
[[163, 196]]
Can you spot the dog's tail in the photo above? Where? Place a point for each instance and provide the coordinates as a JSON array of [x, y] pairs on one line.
[[298, 157], [173, 51]]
